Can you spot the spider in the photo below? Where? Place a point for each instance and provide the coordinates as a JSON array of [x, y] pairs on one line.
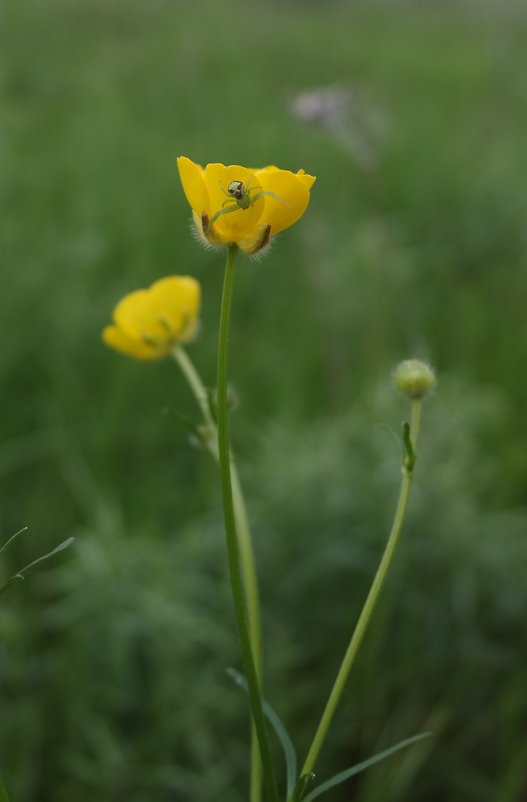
[[239, 197]]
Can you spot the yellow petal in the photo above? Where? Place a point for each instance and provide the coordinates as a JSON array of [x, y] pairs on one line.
[[234, 225], [177, 300], [261, 169], [308, 180], [121, 342], [290, 203], [194, 187], [138, 318]]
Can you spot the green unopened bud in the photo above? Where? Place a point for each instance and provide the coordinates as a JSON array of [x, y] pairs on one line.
[[414, 378]]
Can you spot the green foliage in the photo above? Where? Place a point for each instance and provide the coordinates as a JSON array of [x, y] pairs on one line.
[[281, 732], [112, 662], [343, 776], [442, 642], [21, 573]]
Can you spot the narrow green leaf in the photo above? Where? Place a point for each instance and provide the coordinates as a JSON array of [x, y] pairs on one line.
[[4, 547], [3, 792], [64, 545], [5, 587], [280, 730], [20, 575], [345, 775]]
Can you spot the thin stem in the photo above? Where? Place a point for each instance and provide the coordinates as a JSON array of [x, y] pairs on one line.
[[415, 421], [230, 529], [250, 581], [248, 566], [369, 604], [196, 385]]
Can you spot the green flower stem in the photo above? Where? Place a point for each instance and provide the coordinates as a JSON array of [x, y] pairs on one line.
[[248, 566], [230, 529], [369, 605], [253, 612], [198, 388]]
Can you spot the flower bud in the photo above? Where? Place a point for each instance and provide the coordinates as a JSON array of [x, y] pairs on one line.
[[414, 378]]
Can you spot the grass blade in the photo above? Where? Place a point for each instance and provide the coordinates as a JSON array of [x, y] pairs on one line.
[[20, 575], [5, 587], [345, 775], [281, 732], [4, 547], [64, 545]]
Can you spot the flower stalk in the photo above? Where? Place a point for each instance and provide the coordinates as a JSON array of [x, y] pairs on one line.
[[373, 595], [240, 607], [250, 580], [247, 559]]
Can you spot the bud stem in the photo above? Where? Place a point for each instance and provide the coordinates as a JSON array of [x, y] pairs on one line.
[[369, 604]]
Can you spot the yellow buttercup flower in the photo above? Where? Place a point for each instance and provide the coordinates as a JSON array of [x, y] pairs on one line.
[[238, 206], [148, 324]]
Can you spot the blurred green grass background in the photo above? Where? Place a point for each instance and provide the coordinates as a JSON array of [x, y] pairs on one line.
[[112, 683]]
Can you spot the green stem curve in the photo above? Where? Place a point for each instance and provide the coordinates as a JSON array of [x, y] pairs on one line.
[[369, 604]]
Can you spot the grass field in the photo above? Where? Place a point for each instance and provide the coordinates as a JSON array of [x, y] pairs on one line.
[[112, 683]]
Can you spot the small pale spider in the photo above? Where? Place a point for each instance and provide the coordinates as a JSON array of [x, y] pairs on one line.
[[240, 196]]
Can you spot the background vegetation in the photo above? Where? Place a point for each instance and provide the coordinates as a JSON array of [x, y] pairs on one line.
[[112, 683]]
